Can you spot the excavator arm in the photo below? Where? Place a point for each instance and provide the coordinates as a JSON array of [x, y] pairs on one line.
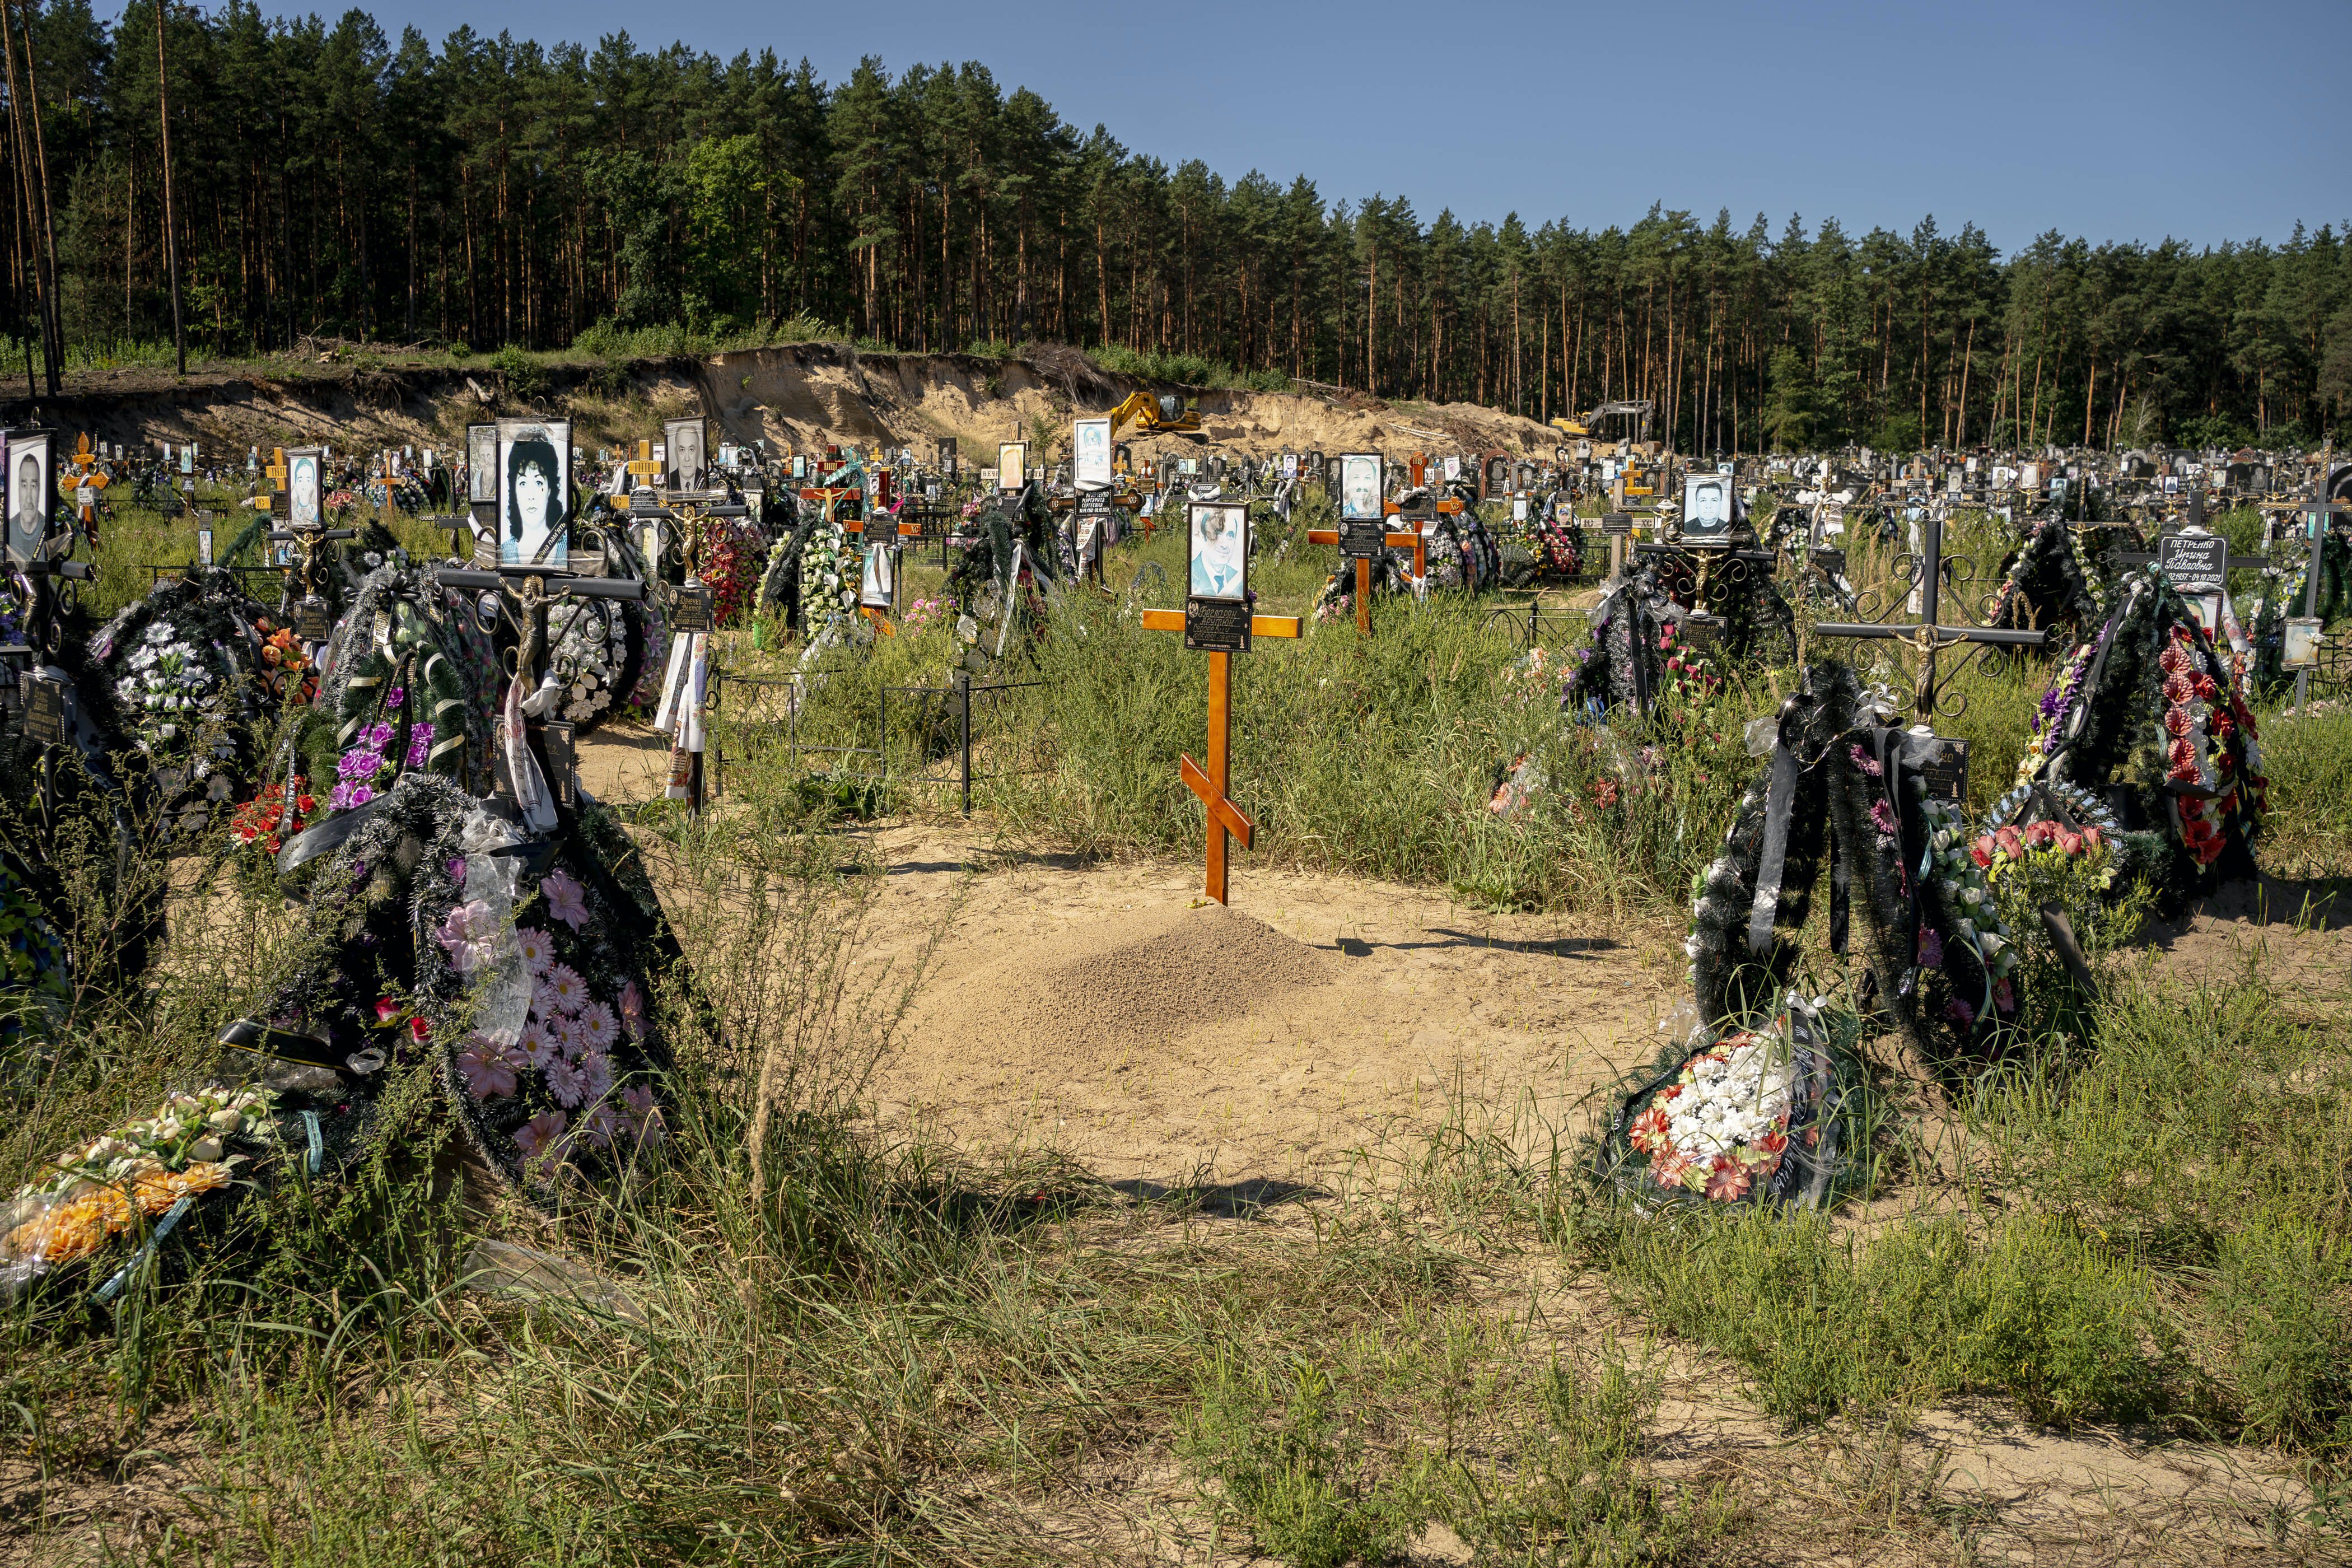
[[1164, 414]]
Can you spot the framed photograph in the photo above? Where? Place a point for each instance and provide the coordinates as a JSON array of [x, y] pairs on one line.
[[32, 495], [1220, 549], [1706, 505], [876, 581], [482, 464], [305, 479], [2302, 641], [683, 440], [534, 491], [1359, 486], [1090, 453], [1012, 465], [188, 458]]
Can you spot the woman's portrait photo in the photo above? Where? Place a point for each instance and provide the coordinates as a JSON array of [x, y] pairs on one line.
[[1220, 550], [533, 492], [1012, 458], [1090, 448], [1359, 486], [302, 489], [27, 467]]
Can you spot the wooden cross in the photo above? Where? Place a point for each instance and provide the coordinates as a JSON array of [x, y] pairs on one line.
[[1394, 540], [1209, 783], [642, 468], [87, 484]]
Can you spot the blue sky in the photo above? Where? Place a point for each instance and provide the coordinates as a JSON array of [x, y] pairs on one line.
[[2113, 122]]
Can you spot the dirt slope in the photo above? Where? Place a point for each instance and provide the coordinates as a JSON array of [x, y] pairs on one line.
[[800, 396]]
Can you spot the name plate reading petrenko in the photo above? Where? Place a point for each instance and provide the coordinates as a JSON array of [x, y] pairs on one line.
[[1617, 523], [46, 701], [1216, 625], [313, 621], [2197, 562], [689, 609], [1362, 539], [1945, 767]]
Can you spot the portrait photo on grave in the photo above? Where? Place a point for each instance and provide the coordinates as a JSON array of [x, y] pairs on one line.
[[1220, 541], [1707, 504], [682, 439], [481, 464], [875, 583], [1012, 459], [1090, 453], [1360, 485], [534, 474], [302, 480], [30, 495]]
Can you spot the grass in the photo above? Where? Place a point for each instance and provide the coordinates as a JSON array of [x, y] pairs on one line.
[[842, 1346]]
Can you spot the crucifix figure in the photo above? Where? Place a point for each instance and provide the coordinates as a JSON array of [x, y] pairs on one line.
[[88, 481]]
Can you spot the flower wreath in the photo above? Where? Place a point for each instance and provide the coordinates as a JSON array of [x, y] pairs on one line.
[[730, 551], [184, 668], [590, 659], [2054, 580], [400, 700], [1759, 1115], [2150, 715], [549, 973], [1621, 666]]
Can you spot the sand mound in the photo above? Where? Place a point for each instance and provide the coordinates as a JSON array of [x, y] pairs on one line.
[[1138, 977]]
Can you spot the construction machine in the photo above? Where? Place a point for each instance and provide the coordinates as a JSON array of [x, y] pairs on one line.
[[1585, 425], [1164, 414]]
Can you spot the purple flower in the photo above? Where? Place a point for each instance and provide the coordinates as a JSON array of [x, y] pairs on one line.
[[564, 899], [339, 798], [395, 698], [359, 765], [469, 933], [1882, 816], [361, 795], [1931, 948], [1869, 765], [420, 744], [566, 1082], [1960, 1013], [456, 867], [378, 735], [541, 1137]]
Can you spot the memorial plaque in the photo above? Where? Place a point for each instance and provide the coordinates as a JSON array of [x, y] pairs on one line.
[[203, 547], [1216, 625], [1945, 767], [689, 609], [313, 621], [1617, 523], [1700, 633], [562, 772], [47, 702], [1362, 539], [2197, 562]]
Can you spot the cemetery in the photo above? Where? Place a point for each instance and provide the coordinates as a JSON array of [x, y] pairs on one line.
[[824, 942]]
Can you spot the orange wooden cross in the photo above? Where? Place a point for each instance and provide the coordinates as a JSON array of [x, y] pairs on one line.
[[1395, 540], [642, 468], [1209, 783], [87, 483]]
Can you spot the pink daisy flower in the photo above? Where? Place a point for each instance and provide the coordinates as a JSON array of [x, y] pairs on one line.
[[596, 1027], [596, 1073], [536, 1046], [565, 1082], [562, 990], [537, 949]]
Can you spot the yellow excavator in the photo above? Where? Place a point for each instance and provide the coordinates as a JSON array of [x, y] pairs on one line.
[[1164, 414], [1584, 426]]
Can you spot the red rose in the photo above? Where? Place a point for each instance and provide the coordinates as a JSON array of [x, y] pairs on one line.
[[2205, 689]]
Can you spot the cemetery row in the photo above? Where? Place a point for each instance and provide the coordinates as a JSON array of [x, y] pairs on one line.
[[388, 735]]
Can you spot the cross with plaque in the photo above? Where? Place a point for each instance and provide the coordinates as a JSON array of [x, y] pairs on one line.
[[1363, 532], [89, 479], [1217, 620]]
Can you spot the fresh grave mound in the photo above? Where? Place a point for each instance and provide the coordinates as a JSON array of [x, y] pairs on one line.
[[1138, 977]]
